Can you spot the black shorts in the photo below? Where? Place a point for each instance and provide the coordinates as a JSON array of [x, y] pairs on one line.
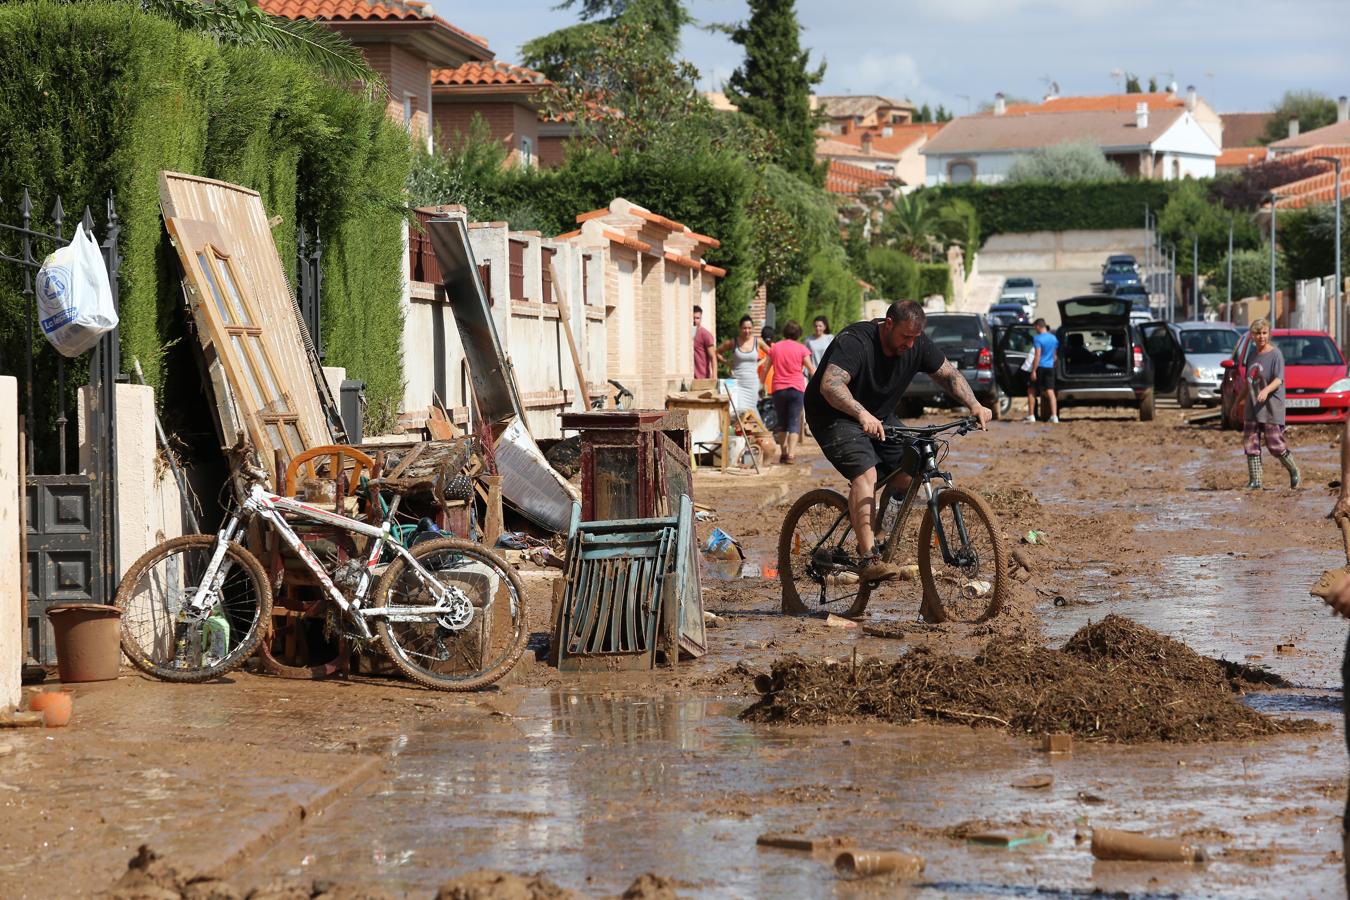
[[852, 451], [787, 403], [1045, 380]]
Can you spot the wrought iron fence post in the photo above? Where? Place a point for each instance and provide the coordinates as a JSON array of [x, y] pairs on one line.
[[26, 210], [316, 272]]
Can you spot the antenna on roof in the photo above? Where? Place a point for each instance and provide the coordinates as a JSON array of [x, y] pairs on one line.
[[1116, 76]]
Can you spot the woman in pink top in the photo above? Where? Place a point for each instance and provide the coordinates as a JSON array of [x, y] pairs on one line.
[[792, 365]]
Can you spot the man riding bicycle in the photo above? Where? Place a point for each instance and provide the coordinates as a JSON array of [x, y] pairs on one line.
[[852, 398]]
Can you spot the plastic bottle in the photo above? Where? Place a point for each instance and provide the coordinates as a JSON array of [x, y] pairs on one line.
[[215, 638]]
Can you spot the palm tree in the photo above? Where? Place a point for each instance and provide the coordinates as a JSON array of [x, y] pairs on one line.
[[243, 23], [920, 227]]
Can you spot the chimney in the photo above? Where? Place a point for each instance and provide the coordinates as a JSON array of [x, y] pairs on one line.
[[1000, 104], [1190, 98], [1141, 115], [1172, 88], [1293, 127], [867, 142], [1342, 109]]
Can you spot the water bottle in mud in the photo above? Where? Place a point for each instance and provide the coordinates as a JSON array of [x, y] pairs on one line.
[[215, 638]]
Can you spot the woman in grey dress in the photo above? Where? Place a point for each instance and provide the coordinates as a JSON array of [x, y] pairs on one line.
[[1263, 416], [745, 350]]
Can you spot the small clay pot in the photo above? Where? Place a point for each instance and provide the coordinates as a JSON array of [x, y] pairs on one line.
[[55, 707]]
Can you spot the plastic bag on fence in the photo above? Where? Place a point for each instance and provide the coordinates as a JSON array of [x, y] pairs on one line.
[[74, 299]]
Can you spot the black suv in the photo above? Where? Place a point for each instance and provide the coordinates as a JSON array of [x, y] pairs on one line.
[[965, 339], [1103, 358]]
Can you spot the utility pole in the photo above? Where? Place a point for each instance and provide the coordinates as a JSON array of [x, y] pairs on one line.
[[1195, 276], [1229, 316], [1172, 282], [1336, 290]]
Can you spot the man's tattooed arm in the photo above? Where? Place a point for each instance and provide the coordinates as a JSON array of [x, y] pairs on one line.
[[834, 388]]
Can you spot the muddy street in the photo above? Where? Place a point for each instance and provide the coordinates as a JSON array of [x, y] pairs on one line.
[[594, 780]]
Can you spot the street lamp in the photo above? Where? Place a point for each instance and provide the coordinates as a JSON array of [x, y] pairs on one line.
[[1195, 276], [1229, 316], [1274, 311], [1336, 290], [1171, 281]]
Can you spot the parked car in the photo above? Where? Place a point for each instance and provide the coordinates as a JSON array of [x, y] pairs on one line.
[[1019, 289], [1009, 313], [1206, 345], [1137, 294], [1117, 275], [1316, 386], [966, 340], [1120, 259], [1104, 358]]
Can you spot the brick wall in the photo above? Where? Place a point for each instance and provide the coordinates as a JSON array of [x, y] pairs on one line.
[[404, 74], [507, 121]]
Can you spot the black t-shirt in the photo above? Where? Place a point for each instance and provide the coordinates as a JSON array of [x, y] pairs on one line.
[[875, 380]]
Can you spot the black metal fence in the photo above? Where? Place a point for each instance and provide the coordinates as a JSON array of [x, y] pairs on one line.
[[70, 508]]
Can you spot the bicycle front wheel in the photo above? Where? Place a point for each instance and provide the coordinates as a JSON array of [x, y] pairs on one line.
[[161, 641], [973, 586], [818, 557], [437, 651]]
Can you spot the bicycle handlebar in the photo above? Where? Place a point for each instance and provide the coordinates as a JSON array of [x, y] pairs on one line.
[[962, 426]]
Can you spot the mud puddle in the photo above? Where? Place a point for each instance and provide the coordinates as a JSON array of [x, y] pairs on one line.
[[592, 788]]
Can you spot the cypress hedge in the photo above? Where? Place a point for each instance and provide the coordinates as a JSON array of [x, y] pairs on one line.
[[98, 97], [1031, 206]]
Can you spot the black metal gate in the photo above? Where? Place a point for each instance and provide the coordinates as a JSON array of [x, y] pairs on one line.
[[70, 502]]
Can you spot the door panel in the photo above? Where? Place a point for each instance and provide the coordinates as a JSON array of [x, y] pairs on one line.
[[1165, 353], [1012, 346]]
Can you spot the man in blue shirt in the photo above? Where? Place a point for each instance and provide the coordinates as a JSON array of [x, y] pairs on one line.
[[1045, 347]]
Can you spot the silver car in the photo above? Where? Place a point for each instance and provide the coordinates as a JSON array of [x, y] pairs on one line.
[[1206, 345], [1019, 289]]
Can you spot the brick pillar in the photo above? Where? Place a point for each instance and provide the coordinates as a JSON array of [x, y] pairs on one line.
[[759, 306]]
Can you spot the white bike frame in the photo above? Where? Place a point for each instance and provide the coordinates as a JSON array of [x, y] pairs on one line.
[[270, 507]]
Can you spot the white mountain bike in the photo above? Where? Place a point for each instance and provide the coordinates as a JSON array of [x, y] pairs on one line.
[[449, 613]]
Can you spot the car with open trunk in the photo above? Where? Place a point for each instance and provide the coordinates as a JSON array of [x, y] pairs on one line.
[[1104, 358]]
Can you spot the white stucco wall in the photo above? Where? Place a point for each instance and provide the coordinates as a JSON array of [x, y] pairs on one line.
[[990, 168], [11, 562]]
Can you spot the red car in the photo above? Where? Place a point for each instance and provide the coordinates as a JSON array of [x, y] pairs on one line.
[[1315, 382]]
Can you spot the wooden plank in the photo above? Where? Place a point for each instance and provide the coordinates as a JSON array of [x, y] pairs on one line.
[[565, 319]]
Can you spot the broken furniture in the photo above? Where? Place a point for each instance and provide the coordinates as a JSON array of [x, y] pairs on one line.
[[634, 462], [632, 594], [709, 422], [632, 586]]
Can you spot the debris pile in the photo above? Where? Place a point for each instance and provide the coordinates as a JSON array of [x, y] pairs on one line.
[[1113, 681]]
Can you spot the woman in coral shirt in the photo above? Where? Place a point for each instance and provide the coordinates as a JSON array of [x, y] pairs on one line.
[[790, 361]]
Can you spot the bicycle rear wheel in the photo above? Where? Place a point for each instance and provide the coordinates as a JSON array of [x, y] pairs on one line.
[[974, 586], [163, 581], [818, 557], [427, 649]]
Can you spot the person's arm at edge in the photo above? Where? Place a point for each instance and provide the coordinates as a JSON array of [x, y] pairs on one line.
[[950, 379], [1340, 595], [834, 388]]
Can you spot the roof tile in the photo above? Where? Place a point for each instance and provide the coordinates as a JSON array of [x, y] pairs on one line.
[[361, 11], [489, 72], [842, 178]]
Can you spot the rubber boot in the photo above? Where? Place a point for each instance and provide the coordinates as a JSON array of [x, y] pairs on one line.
[[1295, 477], [1253, 473]]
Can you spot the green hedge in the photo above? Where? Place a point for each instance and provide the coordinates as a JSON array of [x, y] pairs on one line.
[[100, 96], [1019, 208], [935, 278]]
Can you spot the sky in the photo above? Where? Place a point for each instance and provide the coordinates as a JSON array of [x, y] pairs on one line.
[[1240, 54]]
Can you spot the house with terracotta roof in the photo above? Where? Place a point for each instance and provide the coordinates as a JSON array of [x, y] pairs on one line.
[[1244, 129], [507, 98], [1155, 101], [1336, 133], [1166, 143], [891, 150], [402, 40], [853, 111]]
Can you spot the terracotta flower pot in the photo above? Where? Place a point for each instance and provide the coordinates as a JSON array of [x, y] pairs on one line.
[[55, 707]]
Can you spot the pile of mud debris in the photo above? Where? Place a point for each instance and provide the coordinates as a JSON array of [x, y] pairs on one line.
[[1113, 681], [150, 876]]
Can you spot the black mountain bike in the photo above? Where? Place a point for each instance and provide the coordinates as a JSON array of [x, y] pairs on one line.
[[962, 555]]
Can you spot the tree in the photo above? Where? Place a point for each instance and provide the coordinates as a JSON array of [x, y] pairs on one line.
[[920, 226], [241, 23], [464, 172], [1313, 110], [622, 93], [1064, 163], [924, 115], [1153, 84], [1307, 238], [942, 114], [1189, 212], [773, 85], [1247, 188], [894, 273], [1251, 274], [1132, 85], [557, 51]]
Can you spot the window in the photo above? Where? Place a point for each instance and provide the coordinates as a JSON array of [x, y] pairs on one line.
[[409, 109], [961, 172], [526, 153]]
